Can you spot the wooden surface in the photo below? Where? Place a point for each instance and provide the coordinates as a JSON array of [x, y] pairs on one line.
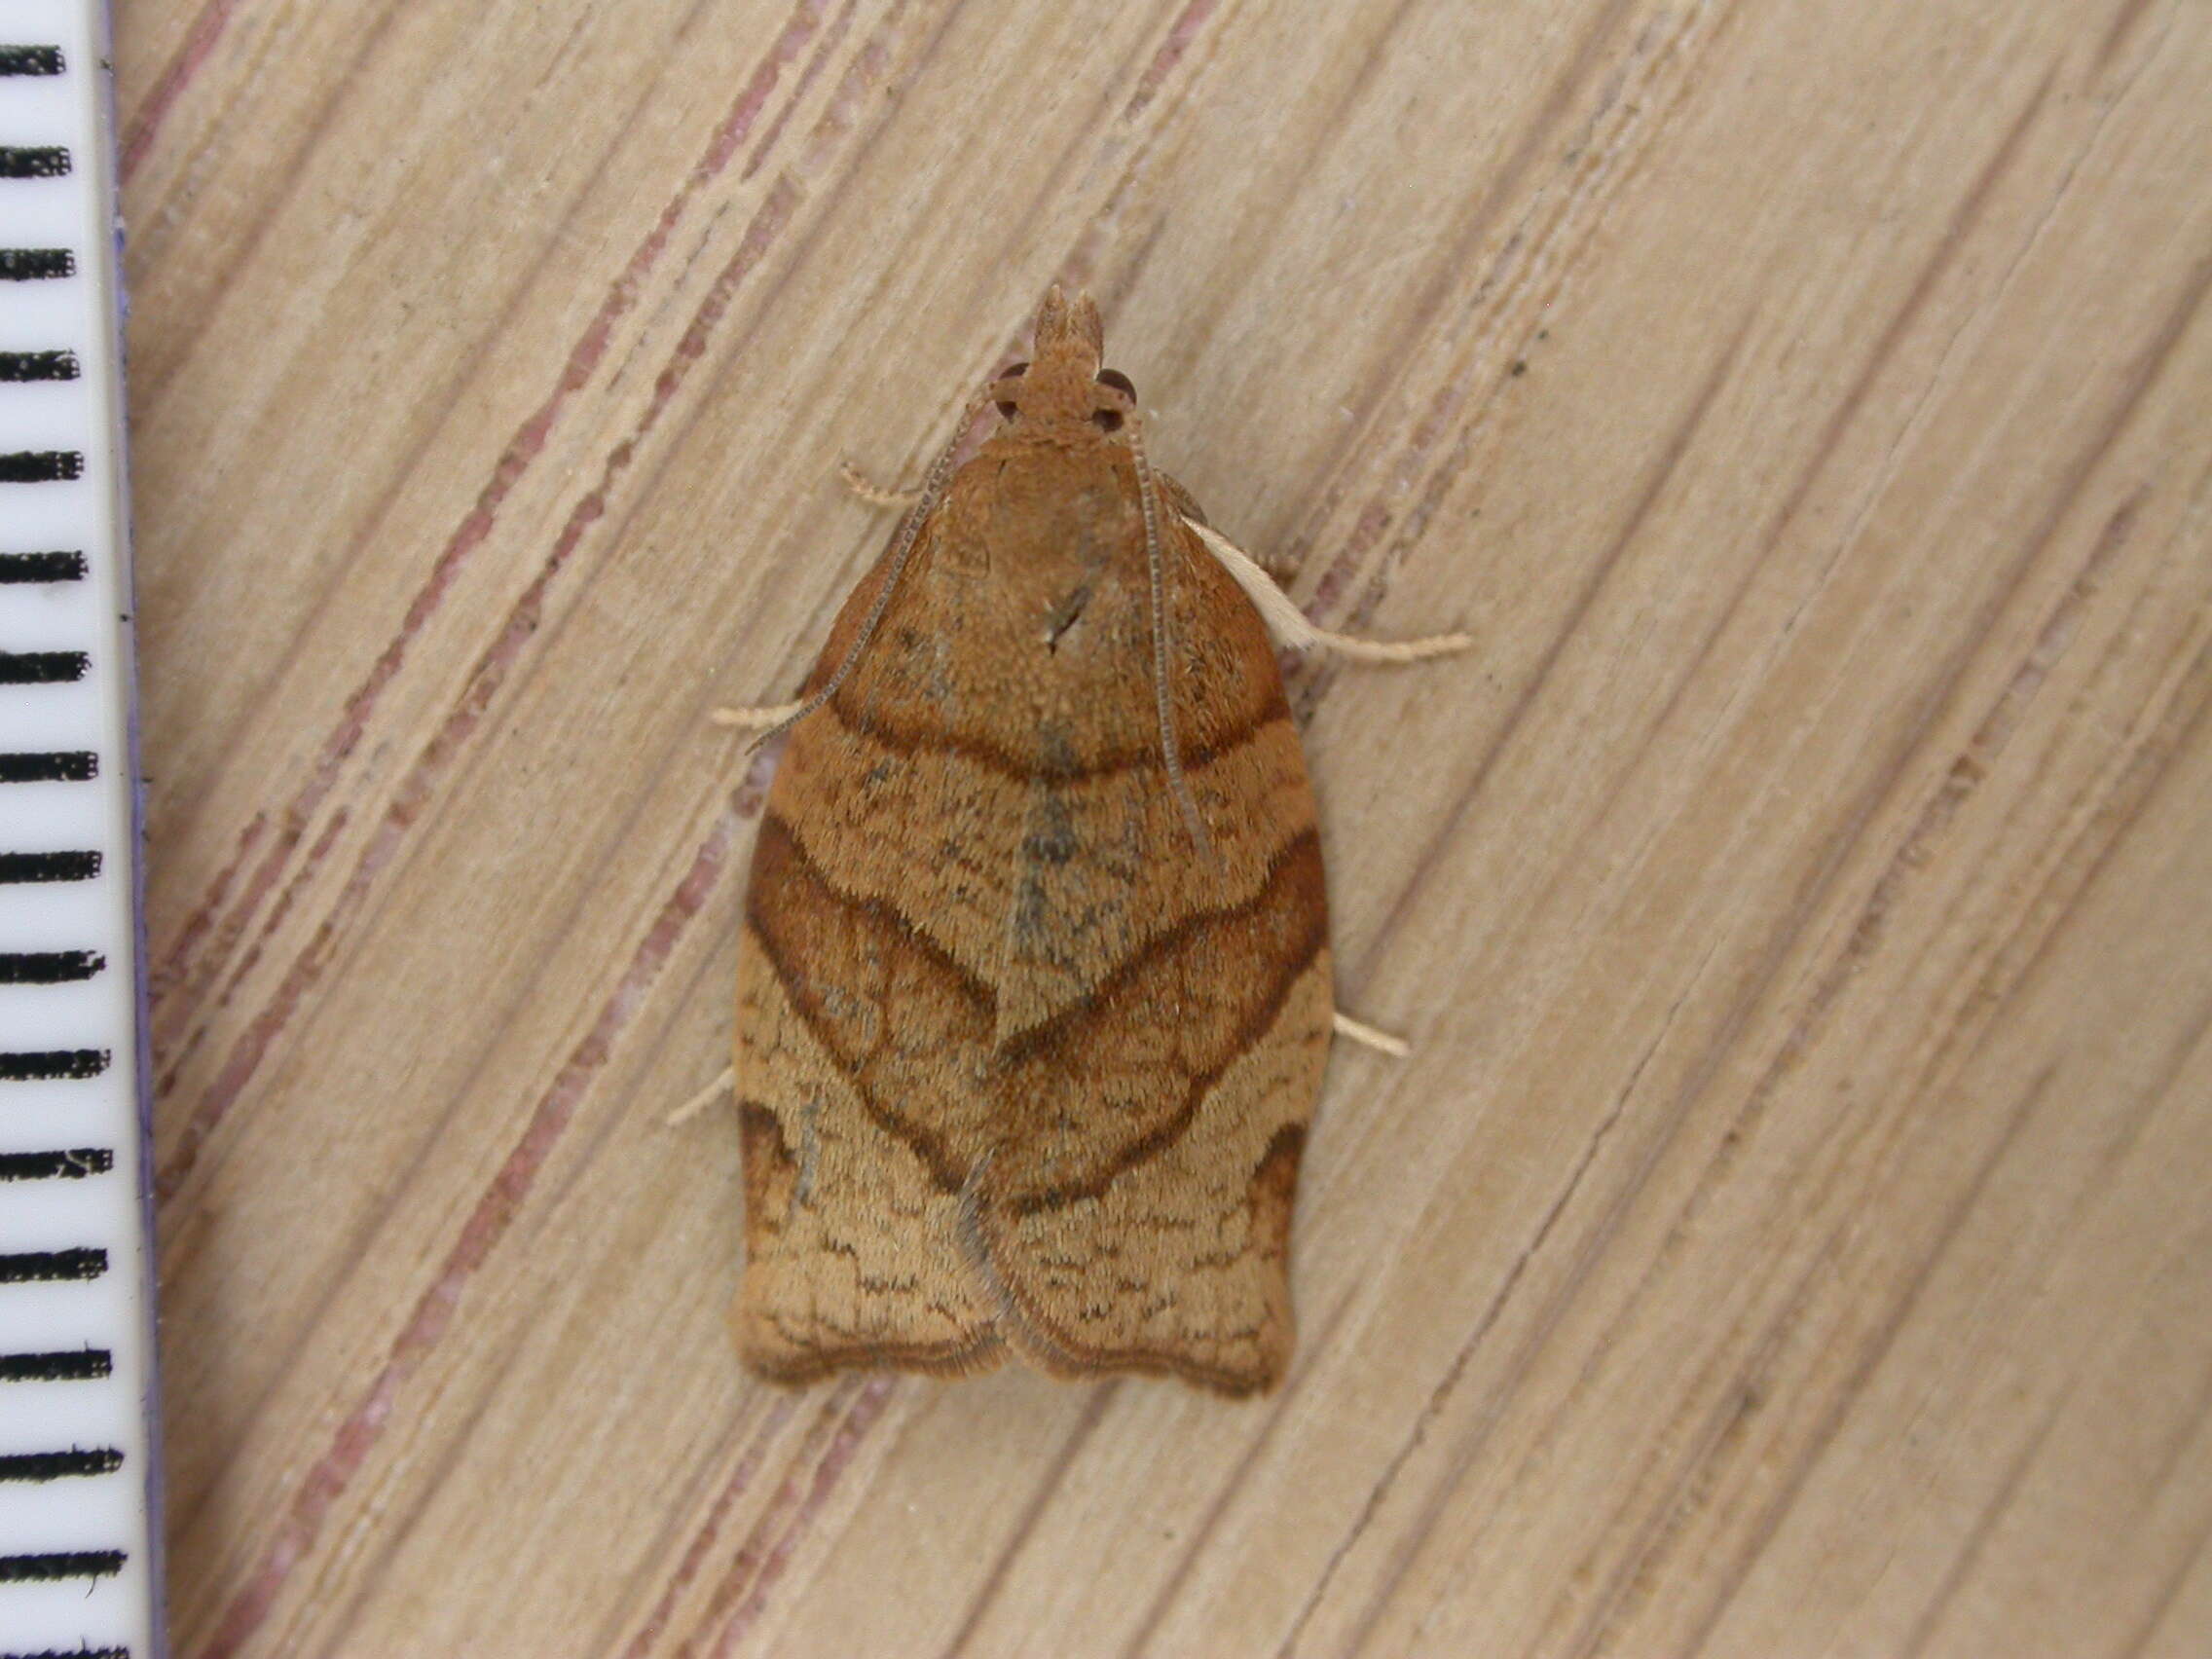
[[1789, 1234]]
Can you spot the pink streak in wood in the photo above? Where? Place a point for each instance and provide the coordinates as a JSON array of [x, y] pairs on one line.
[[495, 1210], [491, 672], [198, 42], [1180, 33], [780, 1412], [178, 969], [867, 1408]]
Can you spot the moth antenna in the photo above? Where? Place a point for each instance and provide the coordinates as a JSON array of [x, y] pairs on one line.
[[1163, 703], [910, 533], [869, 491], [1294, 629], [1013, 1321]]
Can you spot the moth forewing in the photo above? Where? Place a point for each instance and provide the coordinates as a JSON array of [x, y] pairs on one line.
[[1034, 990]]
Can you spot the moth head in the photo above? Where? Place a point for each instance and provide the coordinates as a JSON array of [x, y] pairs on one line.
[[1062, 379]]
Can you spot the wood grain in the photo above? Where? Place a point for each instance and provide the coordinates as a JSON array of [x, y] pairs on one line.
[[1788, 1235]]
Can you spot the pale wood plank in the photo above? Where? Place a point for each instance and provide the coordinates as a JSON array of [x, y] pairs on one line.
[[1787, 1234]]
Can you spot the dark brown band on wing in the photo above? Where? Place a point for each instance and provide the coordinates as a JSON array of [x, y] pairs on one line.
[[807, 928], [799, 919], [909, 734], [1294, 890]]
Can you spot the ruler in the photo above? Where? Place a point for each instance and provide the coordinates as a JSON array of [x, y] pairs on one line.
[[78, 1466]]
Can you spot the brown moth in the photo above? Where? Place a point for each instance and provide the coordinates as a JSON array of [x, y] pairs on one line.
[[1034, 990]]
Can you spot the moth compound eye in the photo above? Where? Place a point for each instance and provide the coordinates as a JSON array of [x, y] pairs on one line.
[[1108, 415], [1007, 409]]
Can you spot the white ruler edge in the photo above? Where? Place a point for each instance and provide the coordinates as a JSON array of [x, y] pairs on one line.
[[79, 1566]]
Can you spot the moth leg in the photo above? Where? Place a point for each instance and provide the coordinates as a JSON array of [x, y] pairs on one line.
[[1289, 624], [755, 718], [1368, 1036], [708, 1095], [873, 493]]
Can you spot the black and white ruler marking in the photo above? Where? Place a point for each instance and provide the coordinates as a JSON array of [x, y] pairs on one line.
[[78, 1573]]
